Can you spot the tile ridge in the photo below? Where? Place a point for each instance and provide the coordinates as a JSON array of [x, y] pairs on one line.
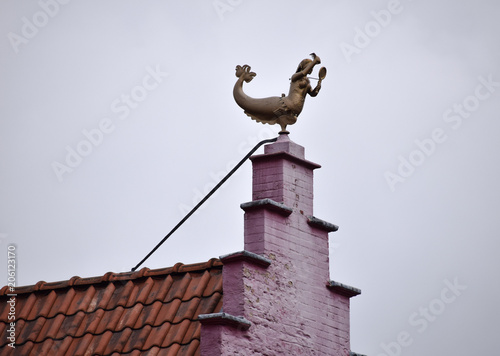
[[114, 276]]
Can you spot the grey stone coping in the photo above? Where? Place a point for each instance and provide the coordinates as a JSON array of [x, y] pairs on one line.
[[343, 289], [246, 256], [267, 204], [287, 156], [321, 224], [222, 318]]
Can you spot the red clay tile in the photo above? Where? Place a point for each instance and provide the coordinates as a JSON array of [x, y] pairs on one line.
[[63, 302], [160, 289], [191, 349], [181, 283], [92, 344], [122, 294], [50, 328], [148, 315], [86, 323], [138, 337], [103, 298], [117, 341], [186, 310], [63, 345], [130, 316], [168, 311], [193, 332], [110, 319], [178, 336], [82, 300], [157, 335]]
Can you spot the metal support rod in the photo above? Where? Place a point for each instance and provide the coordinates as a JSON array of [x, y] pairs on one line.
[[204, 199]]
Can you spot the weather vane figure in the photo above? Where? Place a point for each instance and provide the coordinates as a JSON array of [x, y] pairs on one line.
[[282, 110]]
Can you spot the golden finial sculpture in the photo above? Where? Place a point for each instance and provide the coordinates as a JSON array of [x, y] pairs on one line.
[[282, 110]]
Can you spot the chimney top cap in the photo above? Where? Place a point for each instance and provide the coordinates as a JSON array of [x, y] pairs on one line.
[[284, 144]]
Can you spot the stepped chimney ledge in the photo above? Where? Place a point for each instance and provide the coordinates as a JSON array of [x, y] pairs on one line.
[[278, 297]]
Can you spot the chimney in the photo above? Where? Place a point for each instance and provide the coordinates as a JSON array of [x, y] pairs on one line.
[[277, 294]]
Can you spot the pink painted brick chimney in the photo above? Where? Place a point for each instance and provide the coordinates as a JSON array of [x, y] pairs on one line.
[[277, 295]]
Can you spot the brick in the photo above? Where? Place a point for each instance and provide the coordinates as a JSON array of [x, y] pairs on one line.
[[288, 303]]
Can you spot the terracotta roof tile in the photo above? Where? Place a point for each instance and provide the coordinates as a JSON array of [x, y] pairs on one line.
[[156, 335], [147, 312]]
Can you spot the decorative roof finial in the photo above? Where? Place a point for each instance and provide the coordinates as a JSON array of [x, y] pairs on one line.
[[282, 110]]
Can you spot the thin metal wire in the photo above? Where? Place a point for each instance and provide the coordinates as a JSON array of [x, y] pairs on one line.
[[204, 199]]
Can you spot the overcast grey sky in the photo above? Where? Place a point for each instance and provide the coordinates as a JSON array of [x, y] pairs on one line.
[[117, 116]]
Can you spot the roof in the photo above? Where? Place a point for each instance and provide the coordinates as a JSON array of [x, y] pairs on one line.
[[147, 312]]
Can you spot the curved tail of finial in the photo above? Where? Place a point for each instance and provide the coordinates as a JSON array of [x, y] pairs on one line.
[[244, 73], [259, 109]]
